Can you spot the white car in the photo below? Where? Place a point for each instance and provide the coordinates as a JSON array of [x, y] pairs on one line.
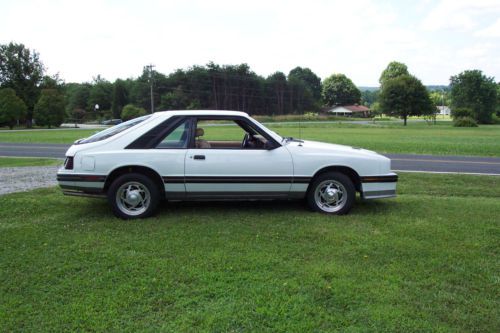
[[197, 155]]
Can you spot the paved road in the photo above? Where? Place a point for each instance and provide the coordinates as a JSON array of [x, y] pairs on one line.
[[400, 162]]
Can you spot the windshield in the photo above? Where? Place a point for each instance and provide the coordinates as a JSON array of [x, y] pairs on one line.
[[276, 136], [109, 132]]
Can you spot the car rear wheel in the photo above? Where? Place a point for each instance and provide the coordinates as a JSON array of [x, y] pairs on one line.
[[133, 196], [332, 193]]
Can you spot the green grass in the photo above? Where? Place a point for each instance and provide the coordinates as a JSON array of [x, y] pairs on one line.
[[416, 138], [426, 261], [27, 161], [67, 136]]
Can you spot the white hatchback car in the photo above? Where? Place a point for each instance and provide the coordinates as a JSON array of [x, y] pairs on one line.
[[199, 155]]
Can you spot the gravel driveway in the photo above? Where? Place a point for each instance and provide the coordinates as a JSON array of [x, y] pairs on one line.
[[20, 179]]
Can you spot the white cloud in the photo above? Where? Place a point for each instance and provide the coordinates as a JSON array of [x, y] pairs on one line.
[[459, 14], [359, 38], [492, 31]]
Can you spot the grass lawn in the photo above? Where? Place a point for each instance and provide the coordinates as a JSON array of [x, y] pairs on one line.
[[416, 138], [27, 161], [426, 261]]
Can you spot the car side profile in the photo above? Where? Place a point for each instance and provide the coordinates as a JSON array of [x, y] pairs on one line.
[[212, 155]]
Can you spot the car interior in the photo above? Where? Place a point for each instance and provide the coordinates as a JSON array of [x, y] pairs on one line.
[[236, 135]]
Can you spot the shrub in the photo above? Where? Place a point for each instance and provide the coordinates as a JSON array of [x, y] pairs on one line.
[[462, 113], [131, 111], [310, 116], [464, 122]]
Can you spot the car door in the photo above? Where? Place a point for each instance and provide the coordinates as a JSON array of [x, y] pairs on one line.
[[238, 172]]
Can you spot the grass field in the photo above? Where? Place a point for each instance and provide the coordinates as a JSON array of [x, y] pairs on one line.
[[416, 138], [426, 261], [27, 161]]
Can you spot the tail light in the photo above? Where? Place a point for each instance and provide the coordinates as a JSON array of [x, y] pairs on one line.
[[68, 163]]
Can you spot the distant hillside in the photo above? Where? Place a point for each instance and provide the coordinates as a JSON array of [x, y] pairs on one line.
[[368, 88]]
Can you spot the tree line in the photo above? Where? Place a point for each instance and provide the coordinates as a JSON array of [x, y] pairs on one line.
[[28, 94]]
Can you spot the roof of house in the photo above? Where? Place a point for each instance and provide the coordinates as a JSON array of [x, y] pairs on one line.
[[354, 108]]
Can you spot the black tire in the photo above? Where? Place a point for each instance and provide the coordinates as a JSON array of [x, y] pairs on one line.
[[341, 188], [143, 188]]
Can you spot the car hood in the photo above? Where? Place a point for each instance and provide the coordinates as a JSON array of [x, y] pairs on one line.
[[331, 147]]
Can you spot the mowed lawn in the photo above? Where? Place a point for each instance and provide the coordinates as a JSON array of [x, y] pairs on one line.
[[28, 161], [416, 138], [426, 261]]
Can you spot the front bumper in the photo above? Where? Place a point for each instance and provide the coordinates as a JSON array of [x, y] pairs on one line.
[[88, 185], [380, 186]]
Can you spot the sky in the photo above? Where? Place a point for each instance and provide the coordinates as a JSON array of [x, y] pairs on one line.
[[115, 39]]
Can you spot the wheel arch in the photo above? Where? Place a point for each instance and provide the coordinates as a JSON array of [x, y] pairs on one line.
[[141, 169], [348, 171]]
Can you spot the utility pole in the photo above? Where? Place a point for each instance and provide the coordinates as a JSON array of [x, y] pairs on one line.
[[150, 68]]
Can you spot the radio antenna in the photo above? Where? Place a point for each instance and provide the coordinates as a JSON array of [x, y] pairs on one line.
[[300, 128]]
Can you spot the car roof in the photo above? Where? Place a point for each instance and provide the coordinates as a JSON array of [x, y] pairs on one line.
[[200, 112]]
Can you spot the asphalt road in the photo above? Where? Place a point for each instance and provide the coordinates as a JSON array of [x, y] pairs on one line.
[[400, 162]]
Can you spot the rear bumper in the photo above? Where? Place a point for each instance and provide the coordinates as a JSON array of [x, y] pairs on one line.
[[377, 187]]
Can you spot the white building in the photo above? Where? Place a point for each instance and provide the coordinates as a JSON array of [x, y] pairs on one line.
[[443, 110], [349, 110]]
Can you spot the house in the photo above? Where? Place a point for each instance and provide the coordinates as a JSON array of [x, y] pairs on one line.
[[443, 110], [349, 110]]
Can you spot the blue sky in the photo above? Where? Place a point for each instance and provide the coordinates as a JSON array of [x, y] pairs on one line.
[[436, 39]]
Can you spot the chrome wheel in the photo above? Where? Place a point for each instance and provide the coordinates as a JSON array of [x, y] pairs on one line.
[[133, 198], [330, 196]]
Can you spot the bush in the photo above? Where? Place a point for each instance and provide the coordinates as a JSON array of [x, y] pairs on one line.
[[464, 122], [131, 111], [462, 113]]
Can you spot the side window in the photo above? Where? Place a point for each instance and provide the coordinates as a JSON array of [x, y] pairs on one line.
[[226, 134], [178, 138]]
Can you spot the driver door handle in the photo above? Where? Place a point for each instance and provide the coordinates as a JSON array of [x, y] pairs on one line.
[[199, 157]]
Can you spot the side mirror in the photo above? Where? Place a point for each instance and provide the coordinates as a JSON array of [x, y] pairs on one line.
[[269, 145]]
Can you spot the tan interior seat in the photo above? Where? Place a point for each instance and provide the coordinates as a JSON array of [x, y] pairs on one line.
[[200, 143]]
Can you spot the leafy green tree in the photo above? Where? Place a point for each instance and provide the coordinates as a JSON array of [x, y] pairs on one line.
[[474, 90], [49, 110], [21, 70], [277, 85], [369, 97], [77, 95], [304, 89], [405, 96], [101, 92], [440, 97], [12, 108], [338, 89], [131, 111], [392, 71], [120, 97]]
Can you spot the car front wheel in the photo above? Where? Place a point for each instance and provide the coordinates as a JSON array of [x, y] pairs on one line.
[[133, 196], [332, 193]]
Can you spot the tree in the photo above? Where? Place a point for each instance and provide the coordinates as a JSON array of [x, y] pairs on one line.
[[49, 110], [338, 89], [77, 95], [100, 94], [277, 86], [131, 111], [120, 98], [21, 70], [304, 89], [369, 97], [392, 71], [405, 96], [12, 108], [472, 89]]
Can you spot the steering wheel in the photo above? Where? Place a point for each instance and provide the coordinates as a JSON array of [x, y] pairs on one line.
[[246, 140]]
